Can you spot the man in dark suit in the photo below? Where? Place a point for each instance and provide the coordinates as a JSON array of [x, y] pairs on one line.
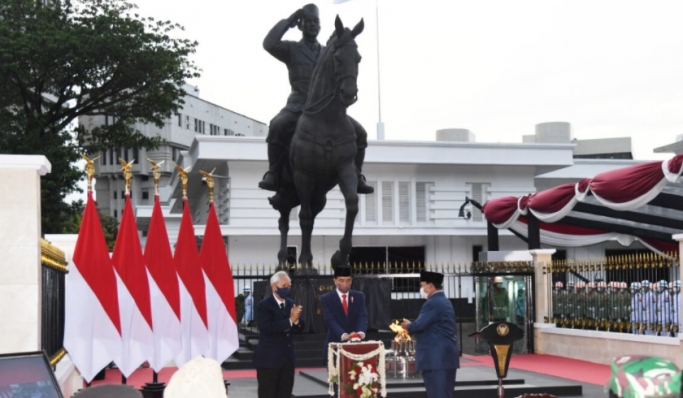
[[301, 58], [344, 310], [437, 353], [277, 318]]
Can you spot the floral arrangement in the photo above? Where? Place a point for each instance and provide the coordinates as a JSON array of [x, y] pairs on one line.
[[364, 380]]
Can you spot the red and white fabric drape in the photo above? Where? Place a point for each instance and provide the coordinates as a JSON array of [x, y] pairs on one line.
[[623, 189]]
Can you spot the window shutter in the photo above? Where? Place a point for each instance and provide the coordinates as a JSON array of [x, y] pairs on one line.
[[404, 202], [371, 204], [387, 202]]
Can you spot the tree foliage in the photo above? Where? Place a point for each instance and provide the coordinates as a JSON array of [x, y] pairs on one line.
[[84, 57]]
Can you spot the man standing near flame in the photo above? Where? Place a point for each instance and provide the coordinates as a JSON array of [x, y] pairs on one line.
[[343, 310], [437, 354]]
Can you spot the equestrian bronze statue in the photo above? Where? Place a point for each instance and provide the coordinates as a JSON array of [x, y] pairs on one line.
[[324, 149]]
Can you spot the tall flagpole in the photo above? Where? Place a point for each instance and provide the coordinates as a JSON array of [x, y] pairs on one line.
[[380, 125]]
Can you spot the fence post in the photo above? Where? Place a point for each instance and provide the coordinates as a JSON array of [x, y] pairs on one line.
[[20, 270], [679, 238]]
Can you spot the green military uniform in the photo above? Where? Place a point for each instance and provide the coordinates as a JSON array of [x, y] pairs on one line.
[[501, 304], [580, 304]]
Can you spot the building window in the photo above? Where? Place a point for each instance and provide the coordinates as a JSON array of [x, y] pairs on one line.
[[115, 193], [106, 120], [404, 202], [136, 154], [196, 125], [187, 122], [203, 127], [229, 132], [145, 195], [371, 204], [111, 157], [118, 154], [180, 120], [145, 178], [174, 154], [479, 193], [387, 202], [422, 190], [123, 194], [104, 158], [116, 214]]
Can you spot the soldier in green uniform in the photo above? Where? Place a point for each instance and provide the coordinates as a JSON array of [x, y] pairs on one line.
[[500, 301], [558, 304], [580, 304], [602, 305], [591, 310], [569, 304]]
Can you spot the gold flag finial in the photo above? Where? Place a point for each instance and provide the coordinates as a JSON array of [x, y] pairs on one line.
[[209, 182], [89, 169], [127, 172], [182, 173], [156, 173]]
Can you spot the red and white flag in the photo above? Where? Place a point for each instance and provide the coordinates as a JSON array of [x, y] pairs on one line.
[[192, 292], [220, 292], [92, 331], [164, 292], [133, 288]]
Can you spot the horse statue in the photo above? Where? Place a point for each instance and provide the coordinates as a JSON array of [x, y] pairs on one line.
[[322, 151]]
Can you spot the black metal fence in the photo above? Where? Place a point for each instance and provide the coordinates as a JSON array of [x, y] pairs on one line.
[[637, 294], [53, 275], [392, 293]]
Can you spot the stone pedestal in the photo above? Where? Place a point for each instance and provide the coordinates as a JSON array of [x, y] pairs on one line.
[[20, 269]]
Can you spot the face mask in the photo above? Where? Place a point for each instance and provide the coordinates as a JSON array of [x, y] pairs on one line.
[[423, 294], [283, 292]]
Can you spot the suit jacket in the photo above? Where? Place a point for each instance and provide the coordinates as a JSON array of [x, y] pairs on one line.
[[276, 334], [434, 328], [337, 322], [300, 61]]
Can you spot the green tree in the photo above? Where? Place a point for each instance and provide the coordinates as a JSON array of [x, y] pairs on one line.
[[110, 225], [84, 57]]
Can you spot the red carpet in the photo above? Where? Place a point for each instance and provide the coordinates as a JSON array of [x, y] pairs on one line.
[[567, 368], [142, 376]]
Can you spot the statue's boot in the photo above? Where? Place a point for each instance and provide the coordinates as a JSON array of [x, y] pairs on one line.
[[270, 179], [363, 187]]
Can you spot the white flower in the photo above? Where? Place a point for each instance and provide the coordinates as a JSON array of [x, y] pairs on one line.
[[355, 386]]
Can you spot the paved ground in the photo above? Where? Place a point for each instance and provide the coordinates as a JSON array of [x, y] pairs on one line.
[[247, 388]]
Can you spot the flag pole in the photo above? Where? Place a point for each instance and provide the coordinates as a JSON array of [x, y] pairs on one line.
[[380, 125]]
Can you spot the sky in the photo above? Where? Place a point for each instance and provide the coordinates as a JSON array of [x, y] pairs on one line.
[[611, 68]]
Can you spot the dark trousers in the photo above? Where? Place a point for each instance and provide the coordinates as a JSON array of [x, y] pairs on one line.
[[439, 383], [275, 383]]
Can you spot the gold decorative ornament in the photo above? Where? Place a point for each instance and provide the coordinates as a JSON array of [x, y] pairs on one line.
[[127, 173], [208, 177], [89, 169], [182, 173], [502, 352], [156, 173], [503, 329]]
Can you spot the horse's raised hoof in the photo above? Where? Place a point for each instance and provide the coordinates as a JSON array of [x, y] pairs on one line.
[[337, 260]]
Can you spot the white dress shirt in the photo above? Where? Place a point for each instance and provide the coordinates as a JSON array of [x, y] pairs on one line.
[[348, 303]]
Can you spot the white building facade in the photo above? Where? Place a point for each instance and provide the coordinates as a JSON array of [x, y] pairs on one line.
[[196, 118], [419, 190]]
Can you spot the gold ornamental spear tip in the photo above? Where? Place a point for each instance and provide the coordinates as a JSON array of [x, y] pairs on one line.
[[89, 169], [156, 173], [182, 173], [208, 177], [127, 172]]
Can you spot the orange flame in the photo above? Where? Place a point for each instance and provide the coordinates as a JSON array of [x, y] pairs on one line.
[[401, 334]]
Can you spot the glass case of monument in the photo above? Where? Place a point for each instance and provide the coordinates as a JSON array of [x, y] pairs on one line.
[[505, 298]]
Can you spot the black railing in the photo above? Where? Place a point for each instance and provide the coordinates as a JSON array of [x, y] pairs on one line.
[[392, 293], [53, 275], [638, 294]]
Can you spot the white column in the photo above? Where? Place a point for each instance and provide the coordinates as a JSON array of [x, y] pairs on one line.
[[542, 259], [20, 268]]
